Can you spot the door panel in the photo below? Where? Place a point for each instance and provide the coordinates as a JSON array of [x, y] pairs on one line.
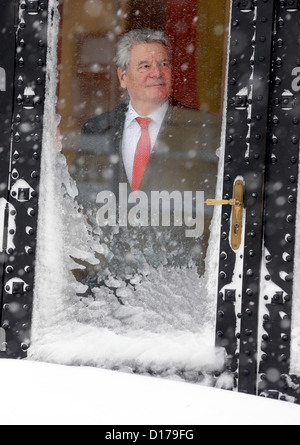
[[7, 77], [7, 57], [23, 56], [279, 259], [262, 144], [246, 138]]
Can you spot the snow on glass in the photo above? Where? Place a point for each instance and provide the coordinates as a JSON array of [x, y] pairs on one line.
[[165, 324]]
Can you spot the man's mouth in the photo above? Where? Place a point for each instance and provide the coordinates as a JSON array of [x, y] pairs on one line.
[[157, 85]]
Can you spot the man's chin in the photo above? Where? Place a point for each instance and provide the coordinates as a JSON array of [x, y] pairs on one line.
[[159, 99]]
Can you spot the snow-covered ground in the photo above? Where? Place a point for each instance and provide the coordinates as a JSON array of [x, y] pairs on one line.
[[35, 393]]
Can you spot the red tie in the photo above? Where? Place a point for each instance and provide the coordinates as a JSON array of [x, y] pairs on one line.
[[142, 153]]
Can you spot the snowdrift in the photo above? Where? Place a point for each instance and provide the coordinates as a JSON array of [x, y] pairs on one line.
[[62, 395]]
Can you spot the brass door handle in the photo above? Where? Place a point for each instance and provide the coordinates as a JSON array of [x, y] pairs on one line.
[[214, 202], [237, 212]]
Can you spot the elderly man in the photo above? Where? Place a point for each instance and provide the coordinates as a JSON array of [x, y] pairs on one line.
[[183, 142], [150, 142]]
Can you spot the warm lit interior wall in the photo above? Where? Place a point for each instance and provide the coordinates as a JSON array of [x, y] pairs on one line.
[[78, 19], [211, 53]]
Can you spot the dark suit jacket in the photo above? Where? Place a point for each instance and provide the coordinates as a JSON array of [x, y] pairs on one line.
[[184, 159]]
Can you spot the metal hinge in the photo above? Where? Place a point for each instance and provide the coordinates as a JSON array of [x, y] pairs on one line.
[[246, 5], [33, 6], [237, 212], [240, 102], [288, 101], [290, 5]]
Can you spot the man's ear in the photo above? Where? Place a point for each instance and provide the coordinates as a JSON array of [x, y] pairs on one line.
[[122, 78]]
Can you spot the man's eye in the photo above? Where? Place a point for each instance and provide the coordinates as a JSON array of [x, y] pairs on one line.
[[144, 67]]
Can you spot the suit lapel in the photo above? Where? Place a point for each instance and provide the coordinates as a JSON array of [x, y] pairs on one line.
[[118, 129]]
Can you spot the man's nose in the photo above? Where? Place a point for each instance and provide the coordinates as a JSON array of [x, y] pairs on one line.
[[156, 70]]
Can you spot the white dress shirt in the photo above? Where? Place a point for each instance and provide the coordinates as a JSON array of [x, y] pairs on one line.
[[132, 134]]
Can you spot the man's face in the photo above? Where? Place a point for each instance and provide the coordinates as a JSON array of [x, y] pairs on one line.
[[149, 76]]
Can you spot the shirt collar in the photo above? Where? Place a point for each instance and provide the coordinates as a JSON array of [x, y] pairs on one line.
[[157, 115]]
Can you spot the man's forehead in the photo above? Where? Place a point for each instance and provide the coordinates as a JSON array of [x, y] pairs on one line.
[[144, 51]]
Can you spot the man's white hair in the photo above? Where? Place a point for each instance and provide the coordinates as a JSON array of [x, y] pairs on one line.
[[137, 37]]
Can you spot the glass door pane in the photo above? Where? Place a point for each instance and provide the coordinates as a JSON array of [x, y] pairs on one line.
[[134, 256]]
